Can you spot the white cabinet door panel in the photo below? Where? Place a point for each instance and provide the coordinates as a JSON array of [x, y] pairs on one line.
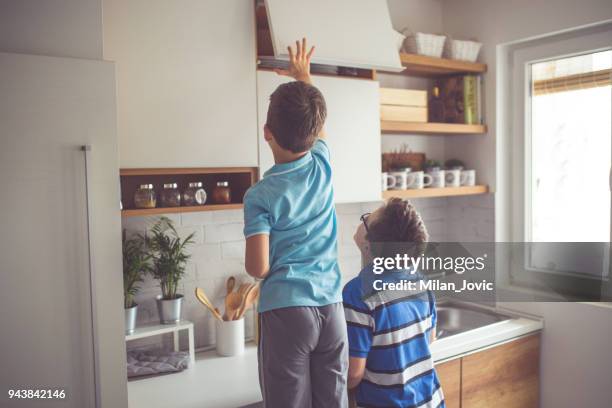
[[353, 133], [185, 81], [352, 33]]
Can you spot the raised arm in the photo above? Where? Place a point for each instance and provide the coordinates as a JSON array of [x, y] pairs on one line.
[[299, 62], [299, 67]]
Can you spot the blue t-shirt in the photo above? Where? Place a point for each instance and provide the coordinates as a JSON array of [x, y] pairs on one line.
[[391, 331], [294, 204]]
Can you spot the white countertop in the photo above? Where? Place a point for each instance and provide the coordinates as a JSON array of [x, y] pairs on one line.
[[231, 382], [214, 382]]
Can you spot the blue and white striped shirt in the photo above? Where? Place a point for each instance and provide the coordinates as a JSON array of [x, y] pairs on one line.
[[391, 330]]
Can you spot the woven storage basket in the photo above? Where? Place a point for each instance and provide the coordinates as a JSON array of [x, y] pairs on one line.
[[431, 45], [462, 50]]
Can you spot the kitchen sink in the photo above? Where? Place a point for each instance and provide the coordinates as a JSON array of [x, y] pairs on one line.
[[455, 318]]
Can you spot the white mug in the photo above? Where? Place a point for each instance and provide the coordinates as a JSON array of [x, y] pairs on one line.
[[400, 178], [453, 178], [468, 177], [437, 178], [418, 179], [388, 181]]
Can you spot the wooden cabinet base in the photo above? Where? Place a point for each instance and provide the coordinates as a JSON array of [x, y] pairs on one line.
[[449, 374], [506, 376]]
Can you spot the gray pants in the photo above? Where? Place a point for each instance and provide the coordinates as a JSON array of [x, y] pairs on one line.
[[303, 357]]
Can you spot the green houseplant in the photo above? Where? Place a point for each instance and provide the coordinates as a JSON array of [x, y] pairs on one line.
[[169, 256], [136, 262]]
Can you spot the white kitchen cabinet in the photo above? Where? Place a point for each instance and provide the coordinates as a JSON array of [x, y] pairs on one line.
[[351, 33], [186, 92], [353, 133]]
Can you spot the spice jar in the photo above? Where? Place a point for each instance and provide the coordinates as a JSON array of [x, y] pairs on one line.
[[194, 194], [222, 193], [144, 197], [170, 196]]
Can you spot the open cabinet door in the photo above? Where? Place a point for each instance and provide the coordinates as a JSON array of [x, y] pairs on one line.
[[350, 33]]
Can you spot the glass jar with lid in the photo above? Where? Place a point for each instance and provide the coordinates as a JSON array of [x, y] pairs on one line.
[[170, 195], [222, 193], [144, 197], [194, 194]]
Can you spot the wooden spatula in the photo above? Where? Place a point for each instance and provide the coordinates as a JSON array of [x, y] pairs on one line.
[[201, 296], [250, 297]]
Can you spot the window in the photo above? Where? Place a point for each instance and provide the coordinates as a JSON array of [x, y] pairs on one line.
[[553, 197], [571, 149]]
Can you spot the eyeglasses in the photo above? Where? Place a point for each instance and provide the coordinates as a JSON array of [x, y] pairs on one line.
[[363, 219]]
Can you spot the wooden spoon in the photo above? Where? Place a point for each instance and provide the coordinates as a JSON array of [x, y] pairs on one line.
[[243, 288], [248, 300], [201, 296], [230, 299], [229, 285], [233, 301]]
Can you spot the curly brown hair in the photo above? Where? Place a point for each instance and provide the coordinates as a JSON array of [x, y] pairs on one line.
[[399, 229]]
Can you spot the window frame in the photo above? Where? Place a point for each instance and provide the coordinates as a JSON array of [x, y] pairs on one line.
[[513, 209]]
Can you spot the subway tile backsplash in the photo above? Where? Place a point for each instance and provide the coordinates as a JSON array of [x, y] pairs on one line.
[[218, 253]]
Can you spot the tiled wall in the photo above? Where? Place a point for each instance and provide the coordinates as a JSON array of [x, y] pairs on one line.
[[219, 252]]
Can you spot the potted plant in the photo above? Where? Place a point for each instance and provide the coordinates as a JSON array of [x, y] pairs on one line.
[[136, 262], [168, 252]]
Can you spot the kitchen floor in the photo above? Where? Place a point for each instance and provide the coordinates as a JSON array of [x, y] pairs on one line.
[[214, 382]]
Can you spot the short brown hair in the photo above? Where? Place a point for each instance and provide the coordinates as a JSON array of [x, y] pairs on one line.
[[296, 115], [399, 229]]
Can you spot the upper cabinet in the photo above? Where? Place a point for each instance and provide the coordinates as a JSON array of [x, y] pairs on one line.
[[350, 33], [352, 128], [186, 81]]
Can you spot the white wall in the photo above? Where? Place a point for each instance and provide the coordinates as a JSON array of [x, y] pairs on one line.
[[61, 28], [576, 361], [496, 22], [219, 253]]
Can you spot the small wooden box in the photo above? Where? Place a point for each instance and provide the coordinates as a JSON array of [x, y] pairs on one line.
[[403, 105]]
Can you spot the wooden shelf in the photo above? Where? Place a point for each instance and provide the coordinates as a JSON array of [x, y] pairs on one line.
[[436, 192], [137, 212], [421, 65], [431, 128], [239, 179], [185, 170]]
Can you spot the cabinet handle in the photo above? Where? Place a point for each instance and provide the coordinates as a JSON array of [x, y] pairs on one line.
[[86, 149]]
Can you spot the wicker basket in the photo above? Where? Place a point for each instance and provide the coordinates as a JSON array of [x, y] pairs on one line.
[[431, 45], [462, 50]]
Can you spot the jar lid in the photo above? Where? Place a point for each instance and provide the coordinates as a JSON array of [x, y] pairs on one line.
[[195, 184], [222, 184], [146, 186], [170, 185]]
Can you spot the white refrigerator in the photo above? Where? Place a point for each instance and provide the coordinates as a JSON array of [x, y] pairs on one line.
[[61, 309]]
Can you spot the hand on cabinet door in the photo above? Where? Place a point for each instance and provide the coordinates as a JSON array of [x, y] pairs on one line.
[[299, 62], [299, 67]]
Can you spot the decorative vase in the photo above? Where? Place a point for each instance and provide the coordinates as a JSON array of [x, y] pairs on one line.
[[130, 319], [169, 309]]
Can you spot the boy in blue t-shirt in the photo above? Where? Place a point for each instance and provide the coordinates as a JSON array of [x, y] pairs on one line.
[[290, 229], [389, 332]]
